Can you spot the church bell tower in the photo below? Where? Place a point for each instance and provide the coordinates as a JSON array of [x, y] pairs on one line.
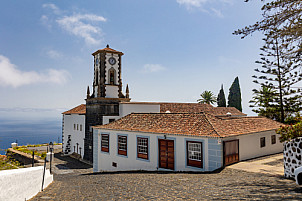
[[107, 81], [106, 93]]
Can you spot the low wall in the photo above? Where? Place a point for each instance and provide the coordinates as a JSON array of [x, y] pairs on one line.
[[22, 184], [292, 156], [23, 158]]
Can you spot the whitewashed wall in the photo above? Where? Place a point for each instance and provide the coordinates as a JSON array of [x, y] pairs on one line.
[[249, 145], [128, 108], [102, 161], [77, 136], [22, 184], [111, 91]]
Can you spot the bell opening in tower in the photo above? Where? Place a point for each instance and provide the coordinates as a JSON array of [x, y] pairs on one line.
[[111, 78]]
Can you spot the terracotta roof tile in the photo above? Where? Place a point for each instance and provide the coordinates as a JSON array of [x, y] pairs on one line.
[[192, 124], [81, 109], [229, 126], [170, 123], [198, 107], [107, 49], [189, 108]]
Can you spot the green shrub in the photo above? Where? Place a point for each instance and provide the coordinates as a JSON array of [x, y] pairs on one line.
[[289, 132]]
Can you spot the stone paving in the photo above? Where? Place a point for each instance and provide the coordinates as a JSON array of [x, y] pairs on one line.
[[74, 181], [269, 165]]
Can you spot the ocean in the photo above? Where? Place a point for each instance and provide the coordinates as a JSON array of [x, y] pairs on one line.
[[29, 132]]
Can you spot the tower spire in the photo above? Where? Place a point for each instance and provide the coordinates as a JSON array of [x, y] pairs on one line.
[[127, 91], [88, 92]]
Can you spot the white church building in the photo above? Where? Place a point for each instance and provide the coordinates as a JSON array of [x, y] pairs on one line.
[[115, 134]]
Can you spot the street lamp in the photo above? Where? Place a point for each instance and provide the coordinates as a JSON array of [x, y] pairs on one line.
[[51, 150]]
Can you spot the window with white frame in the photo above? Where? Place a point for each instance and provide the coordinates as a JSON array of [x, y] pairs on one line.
[[142, 148], [105, 142], [122, 145], [194, 154]]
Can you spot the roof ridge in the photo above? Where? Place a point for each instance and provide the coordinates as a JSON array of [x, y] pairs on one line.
[[206, 117]]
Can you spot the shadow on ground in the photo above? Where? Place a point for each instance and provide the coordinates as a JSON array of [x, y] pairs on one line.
[[66, 162]]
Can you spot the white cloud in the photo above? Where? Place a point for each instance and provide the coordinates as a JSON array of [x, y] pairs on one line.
[[202, 5], [53, 7], [10, 75], [45, 21], [54, 54], [85, 26], [81, 26], [192, 3], [218, 13], [152, 68]]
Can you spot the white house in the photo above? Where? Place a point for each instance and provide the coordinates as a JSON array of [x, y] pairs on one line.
[[181, 141], [73, 132]]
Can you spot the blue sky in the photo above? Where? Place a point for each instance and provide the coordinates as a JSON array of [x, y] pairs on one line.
[[173, 50]]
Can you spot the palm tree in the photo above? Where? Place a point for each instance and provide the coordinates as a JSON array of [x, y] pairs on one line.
[[207, 97]]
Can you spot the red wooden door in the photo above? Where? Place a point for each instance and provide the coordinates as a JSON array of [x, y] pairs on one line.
[[166, 154], [231, 152]]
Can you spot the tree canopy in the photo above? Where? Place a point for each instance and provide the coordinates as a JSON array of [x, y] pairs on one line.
[[221, 102], [207, 97], [234, 98], [283, 15], [278, 75], [281, 24]]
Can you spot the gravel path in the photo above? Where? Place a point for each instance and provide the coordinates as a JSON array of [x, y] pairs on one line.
[[74, 181]]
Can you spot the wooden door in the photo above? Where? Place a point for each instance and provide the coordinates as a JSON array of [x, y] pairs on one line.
[[230, 152], [166, 154]]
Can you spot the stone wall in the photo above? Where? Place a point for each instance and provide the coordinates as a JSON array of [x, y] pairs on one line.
[[292, 156]]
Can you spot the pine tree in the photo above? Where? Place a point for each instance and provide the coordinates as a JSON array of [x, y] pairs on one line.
[[221, 102], [234, 99], [263, 103], [283, 15], [280, 73]]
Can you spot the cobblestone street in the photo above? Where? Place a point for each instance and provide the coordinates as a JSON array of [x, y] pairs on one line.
[[76, 182]]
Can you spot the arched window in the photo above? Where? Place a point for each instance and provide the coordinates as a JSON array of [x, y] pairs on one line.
[[112, 76]]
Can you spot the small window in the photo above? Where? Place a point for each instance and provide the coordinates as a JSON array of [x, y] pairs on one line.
[[142, 148], [122, 145], [74, 126], [111, 120], [273, 138], [81, 127], [105, 142], [194, 154], [77, 126], [262, 142]]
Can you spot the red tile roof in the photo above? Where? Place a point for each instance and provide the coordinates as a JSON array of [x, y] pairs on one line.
[[171, 123], [231, 126], [187, 108], [192, 124], [81, 109], [107, 49], [198, 107]]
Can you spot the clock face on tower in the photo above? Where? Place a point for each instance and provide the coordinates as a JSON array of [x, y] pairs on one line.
[[112, 60]]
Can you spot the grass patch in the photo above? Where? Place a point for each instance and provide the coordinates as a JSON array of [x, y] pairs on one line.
[[30, 152], [7, 163]]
